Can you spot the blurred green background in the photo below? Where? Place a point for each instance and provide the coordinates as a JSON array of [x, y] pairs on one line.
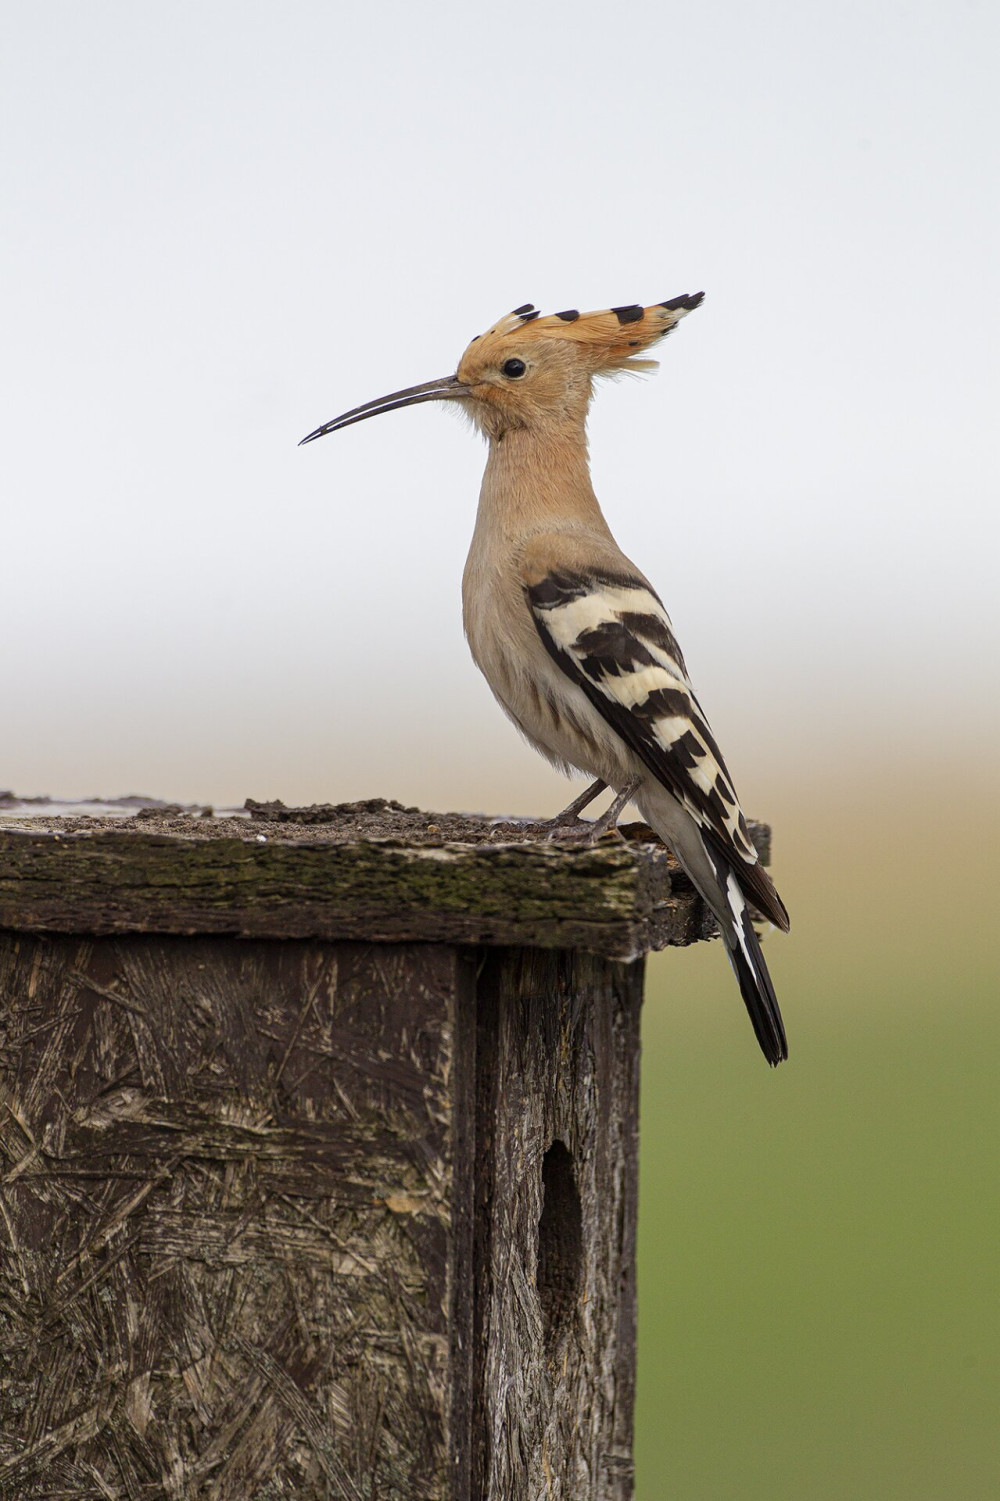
[[818, 1246]]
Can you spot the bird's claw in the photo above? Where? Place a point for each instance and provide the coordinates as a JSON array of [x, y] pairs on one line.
[[581, 832]]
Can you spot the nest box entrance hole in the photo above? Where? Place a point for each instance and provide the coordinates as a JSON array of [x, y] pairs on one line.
[[560, 1243]]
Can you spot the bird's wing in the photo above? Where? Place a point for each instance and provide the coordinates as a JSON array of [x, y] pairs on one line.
[[610, 634]]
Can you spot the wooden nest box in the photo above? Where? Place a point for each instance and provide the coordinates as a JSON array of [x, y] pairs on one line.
[[318, 1155]]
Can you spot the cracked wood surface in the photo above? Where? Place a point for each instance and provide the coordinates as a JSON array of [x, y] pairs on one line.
[[557, 1155], [392, 877]]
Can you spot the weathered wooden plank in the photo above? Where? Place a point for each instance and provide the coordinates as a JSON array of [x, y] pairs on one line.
[[235, 1243], [307, 881], [556, 1191]]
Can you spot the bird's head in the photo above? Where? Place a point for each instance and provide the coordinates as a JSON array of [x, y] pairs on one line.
[[533, 372]]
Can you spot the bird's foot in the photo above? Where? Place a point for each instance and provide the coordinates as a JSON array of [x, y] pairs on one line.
[[569, 821], [583, 834], [570, 829]]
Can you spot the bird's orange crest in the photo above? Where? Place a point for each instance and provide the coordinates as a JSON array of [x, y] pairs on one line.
[[612, 339]]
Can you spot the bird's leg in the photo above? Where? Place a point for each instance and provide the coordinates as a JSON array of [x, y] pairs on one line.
[[570, 817], [609, 820], [584, 833]]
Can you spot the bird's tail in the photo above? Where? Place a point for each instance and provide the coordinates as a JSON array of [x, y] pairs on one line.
[[715, 881], [743, 948]]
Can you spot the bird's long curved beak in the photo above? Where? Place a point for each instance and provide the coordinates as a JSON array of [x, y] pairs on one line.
[[448, 388]]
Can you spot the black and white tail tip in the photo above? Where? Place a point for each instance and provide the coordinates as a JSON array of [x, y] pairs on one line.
[[743, 947]]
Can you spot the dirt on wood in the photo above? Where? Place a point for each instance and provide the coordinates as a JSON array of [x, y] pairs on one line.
[[369, 819]]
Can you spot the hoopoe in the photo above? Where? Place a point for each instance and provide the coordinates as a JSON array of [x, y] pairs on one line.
[[571, 637]]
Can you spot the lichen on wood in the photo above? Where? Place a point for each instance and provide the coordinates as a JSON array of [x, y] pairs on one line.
[[442, 878]]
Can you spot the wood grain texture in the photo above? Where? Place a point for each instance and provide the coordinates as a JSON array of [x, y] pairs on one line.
[[556, 1185], [233, 1249], [307, 881]]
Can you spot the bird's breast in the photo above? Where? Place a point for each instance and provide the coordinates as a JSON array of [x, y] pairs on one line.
[[549, 709]]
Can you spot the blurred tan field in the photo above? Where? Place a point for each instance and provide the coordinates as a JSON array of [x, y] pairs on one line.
[[818, 1247]]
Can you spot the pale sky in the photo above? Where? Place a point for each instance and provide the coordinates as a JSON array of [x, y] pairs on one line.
[[225, 223]]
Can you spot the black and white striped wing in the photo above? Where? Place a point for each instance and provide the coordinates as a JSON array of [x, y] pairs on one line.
[[611, 635]]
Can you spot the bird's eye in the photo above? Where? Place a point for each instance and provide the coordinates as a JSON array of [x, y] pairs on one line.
[[514, 368]]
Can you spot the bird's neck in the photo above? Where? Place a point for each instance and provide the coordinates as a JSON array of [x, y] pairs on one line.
[[537, 481]]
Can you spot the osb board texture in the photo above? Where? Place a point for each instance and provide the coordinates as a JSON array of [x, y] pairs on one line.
[[371, 871], [227, 1191], [558, 1074]]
